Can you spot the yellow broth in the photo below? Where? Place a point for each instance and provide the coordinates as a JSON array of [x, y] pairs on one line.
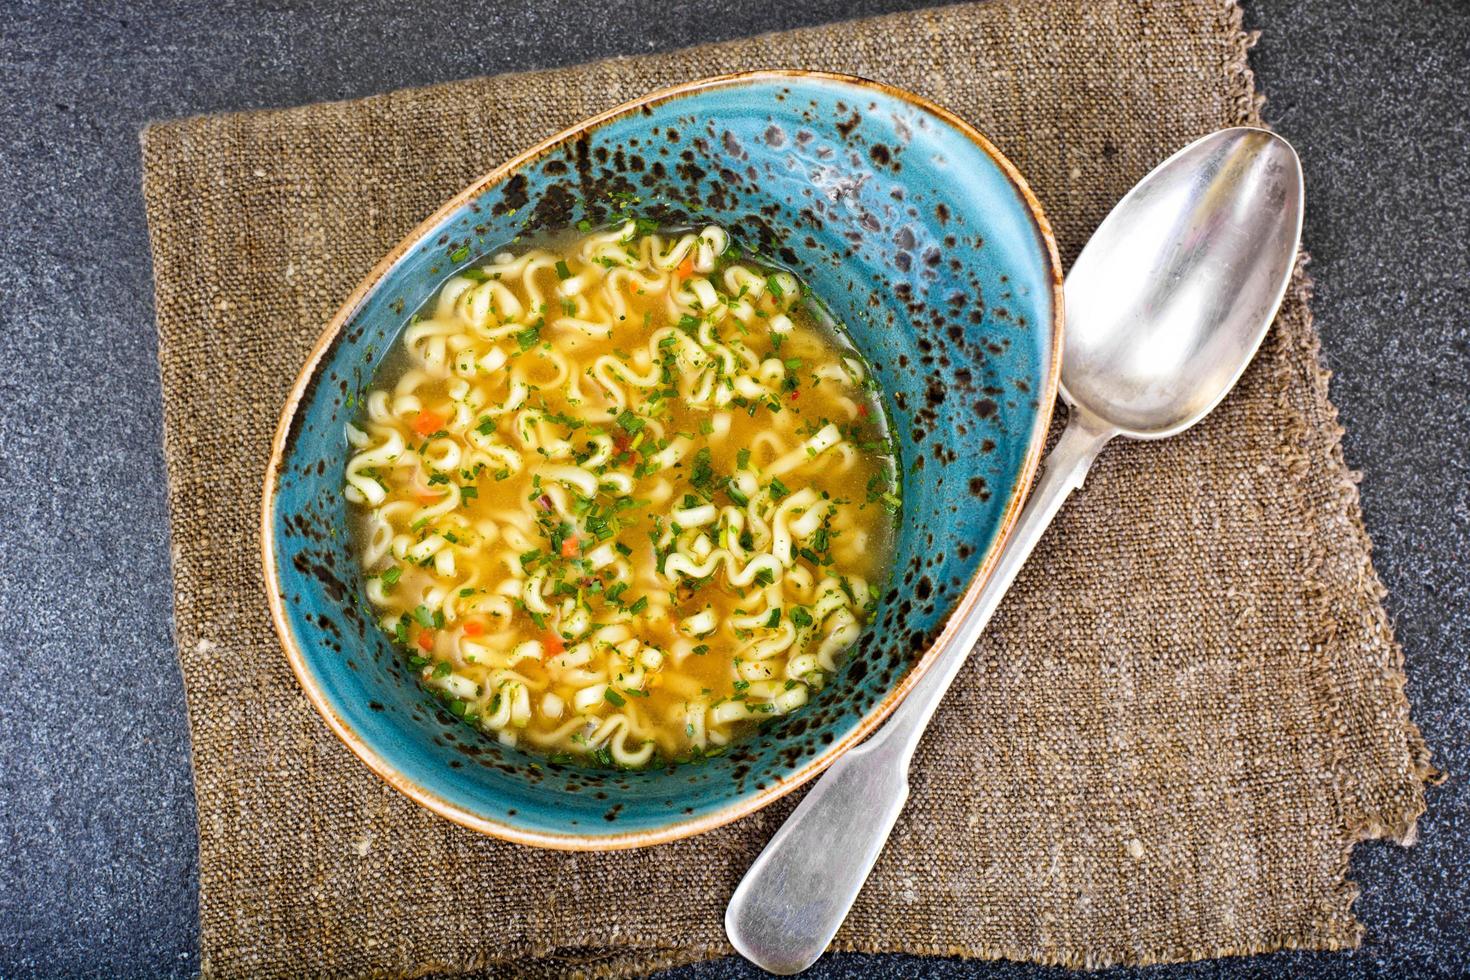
[[624, 495]]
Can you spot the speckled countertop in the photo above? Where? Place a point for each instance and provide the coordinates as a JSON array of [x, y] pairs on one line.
[[97, 846]]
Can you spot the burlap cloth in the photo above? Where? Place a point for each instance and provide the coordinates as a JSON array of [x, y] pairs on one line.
[[1187, 711]]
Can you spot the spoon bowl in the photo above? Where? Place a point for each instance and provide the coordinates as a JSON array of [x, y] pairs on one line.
[[1172, 295]]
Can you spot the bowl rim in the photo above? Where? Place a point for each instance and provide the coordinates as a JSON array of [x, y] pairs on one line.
[[676, 829]]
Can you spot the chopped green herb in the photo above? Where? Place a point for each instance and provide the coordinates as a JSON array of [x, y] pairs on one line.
[[562, 272], [703, 476], [528, 337], [613, 697]]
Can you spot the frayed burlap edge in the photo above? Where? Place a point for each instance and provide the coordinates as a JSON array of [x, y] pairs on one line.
[[1356, 824], [1399, 826]]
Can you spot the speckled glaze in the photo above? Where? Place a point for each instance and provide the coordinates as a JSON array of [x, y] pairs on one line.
[[919, 236]]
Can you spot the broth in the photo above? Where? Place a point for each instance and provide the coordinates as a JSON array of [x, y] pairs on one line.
[[624, 495]]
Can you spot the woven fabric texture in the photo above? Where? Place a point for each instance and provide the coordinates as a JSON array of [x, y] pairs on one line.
[[1186, 712]]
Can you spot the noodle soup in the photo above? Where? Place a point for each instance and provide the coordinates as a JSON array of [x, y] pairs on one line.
[[623, 496]]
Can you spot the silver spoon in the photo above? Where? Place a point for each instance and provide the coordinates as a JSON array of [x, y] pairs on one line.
[[1165, 307]]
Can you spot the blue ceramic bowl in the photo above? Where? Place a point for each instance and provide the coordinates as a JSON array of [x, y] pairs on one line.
[[917, 234]]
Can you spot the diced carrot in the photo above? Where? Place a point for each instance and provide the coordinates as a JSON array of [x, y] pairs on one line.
[[553, 644], [425, 496], [686, 268], [570, 546], [623, 445], [426, 639], [426, 423], [474, 628]]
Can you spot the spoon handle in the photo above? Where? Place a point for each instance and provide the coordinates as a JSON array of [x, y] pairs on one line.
[[799, 890]]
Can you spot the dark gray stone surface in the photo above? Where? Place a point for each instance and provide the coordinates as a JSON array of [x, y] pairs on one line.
[[97, 847]]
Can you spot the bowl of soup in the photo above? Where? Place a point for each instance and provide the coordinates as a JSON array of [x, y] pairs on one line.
[[644, 477]]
